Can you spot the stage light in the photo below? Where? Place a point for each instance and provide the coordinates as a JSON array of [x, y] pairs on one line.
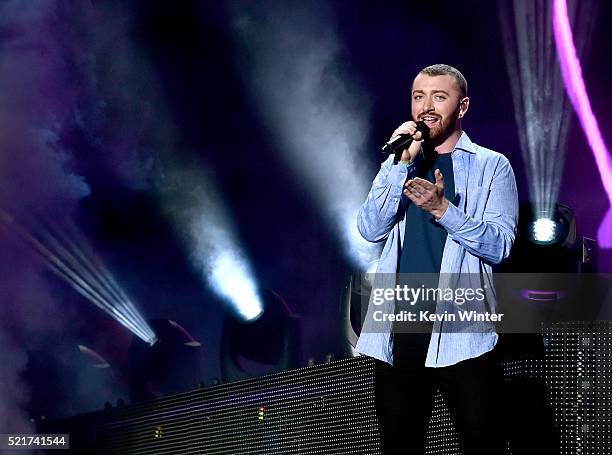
[[189, 340], [354, 302], [557, 228], [546, 243], [269, 344], [97, 361], [543, 230], [171, 365], [191, 198], [225, 266], [231, 277]]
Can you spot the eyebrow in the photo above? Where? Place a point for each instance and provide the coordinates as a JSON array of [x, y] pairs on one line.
[[433, 91]]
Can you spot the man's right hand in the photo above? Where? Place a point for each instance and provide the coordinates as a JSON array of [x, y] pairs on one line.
[[410, 128]]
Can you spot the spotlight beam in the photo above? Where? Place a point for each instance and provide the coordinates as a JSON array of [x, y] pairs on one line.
[[537, 91], [82, 286], [542, 111], [92, 283], [191, 199], [65, 263], [323, 129], [76, 281], [89, 262], [227, 268]]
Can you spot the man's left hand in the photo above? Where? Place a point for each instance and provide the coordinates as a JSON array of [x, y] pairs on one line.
[[426, 195]]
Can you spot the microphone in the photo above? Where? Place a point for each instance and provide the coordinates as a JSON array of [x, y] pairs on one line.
[[404, 140]]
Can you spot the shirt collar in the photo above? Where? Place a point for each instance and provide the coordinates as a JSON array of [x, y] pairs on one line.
[[464, 143]]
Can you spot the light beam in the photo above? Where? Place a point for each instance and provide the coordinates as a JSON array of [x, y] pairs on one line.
[[541, 111], [74, 261], [318, 114], [227, 269], [190, 198]]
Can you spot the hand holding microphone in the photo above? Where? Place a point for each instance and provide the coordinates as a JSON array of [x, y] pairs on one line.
[[407, 139]]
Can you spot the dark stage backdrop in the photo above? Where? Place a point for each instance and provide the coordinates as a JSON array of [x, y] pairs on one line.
[[162, 82]]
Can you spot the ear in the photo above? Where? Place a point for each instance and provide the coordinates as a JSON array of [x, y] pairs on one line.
[[464, 104]]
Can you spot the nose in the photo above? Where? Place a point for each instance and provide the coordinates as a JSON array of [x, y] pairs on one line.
[[428, 105]]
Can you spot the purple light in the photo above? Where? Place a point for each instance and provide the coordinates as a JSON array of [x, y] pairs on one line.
[[542, 296], [574, 85]]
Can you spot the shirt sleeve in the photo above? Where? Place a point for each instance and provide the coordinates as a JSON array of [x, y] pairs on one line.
[[381, 209], [492, 237]]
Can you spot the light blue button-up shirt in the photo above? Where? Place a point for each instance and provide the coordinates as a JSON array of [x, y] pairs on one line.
[[481, 230]]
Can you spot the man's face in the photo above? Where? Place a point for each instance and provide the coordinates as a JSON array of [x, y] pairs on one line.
[[435, 100]]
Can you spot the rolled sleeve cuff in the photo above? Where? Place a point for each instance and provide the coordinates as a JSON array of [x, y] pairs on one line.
[[452, 219], [399, 174]]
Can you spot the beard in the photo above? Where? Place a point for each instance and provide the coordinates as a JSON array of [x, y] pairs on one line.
[[443, 128]]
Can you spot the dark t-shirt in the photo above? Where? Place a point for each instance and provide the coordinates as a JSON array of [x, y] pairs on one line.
[[424, 238], [421, 257]]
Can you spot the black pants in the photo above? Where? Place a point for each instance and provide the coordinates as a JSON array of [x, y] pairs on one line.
[[404, 395]]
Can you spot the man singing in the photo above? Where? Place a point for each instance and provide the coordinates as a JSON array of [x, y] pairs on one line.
[[445, 205]]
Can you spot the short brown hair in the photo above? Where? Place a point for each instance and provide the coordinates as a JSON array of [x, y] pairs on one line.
[[441, 70]]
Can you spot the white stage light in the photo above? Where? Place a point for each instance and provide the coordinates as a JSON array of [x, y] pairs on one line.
[[191, 199], [544, 230], [231, 278], [225, 265]]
